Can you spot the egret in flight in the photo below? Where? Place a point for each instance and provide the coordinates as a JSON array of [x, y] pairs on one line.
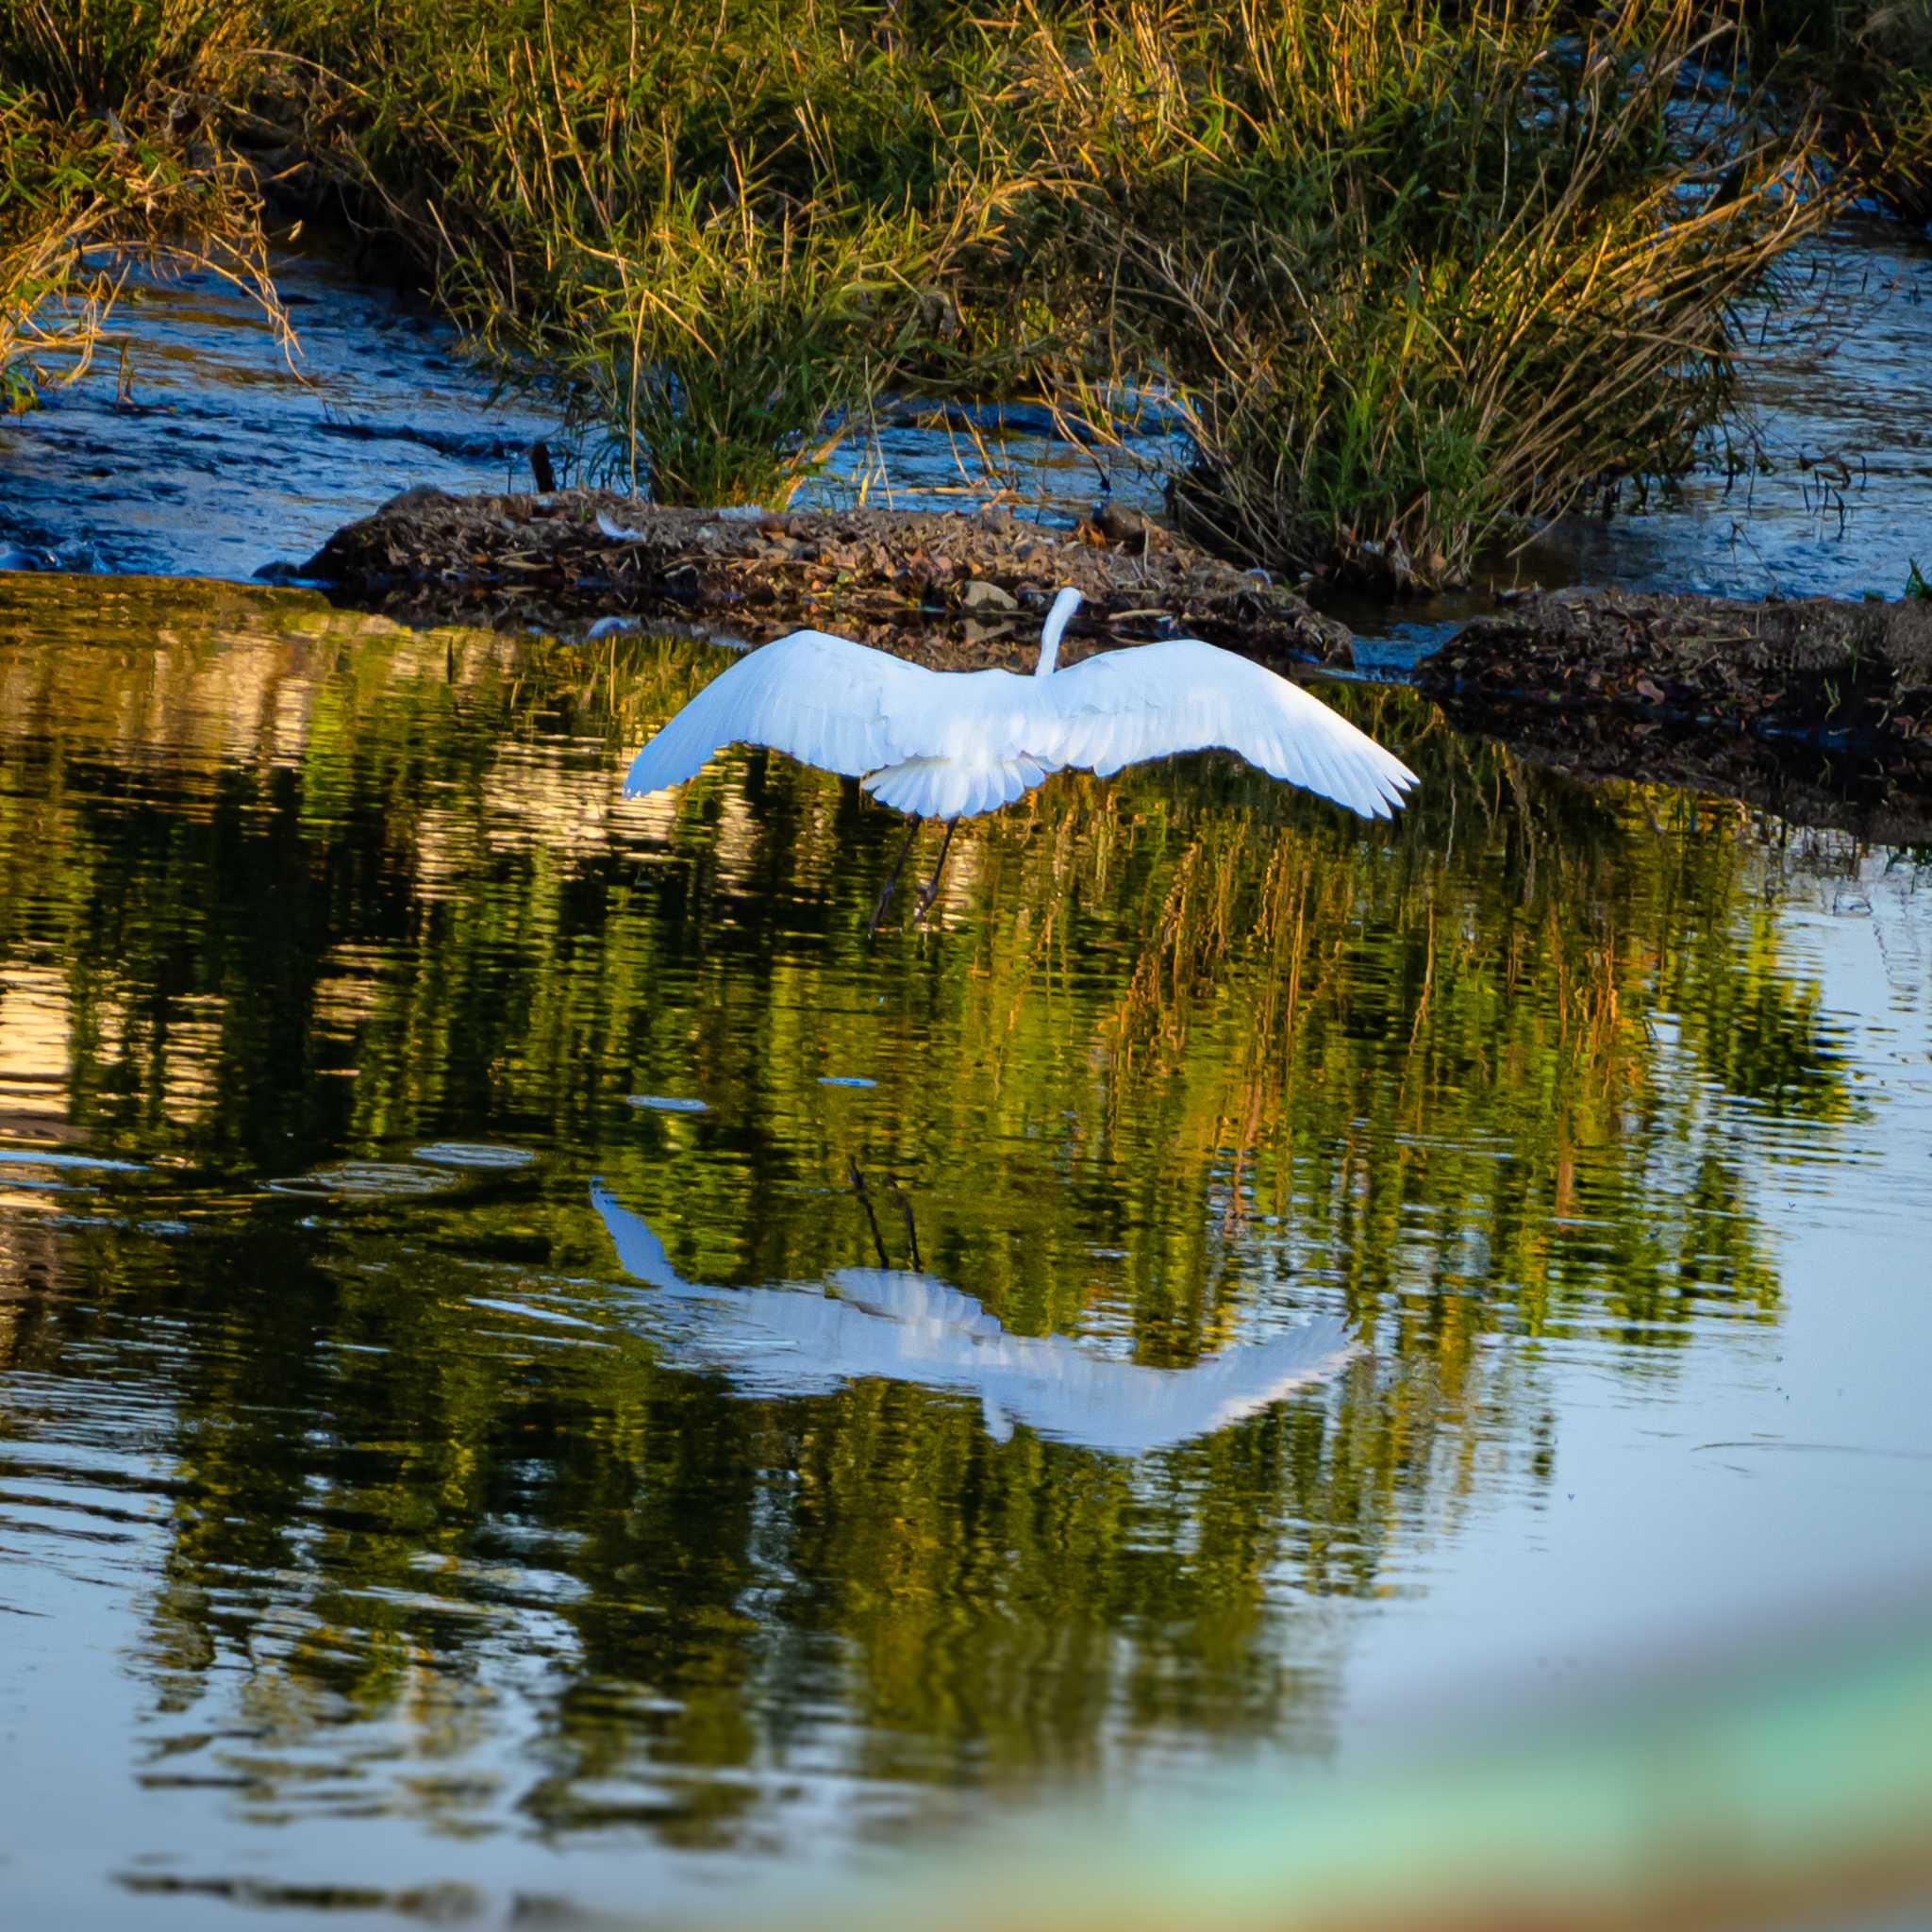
[[950, 745]]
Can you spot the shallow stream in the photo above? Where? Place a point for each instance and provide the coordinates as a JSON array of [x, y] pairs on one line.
[[221, 458]]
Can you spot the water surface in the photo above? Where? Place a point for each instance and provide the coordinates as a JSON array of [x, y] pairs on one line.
[[197, 446], [536, 1361]]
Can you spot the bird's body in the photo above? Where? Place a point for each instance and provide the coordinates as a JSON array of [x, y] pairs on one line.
[[930, 744], [944, 744], [950, 745]]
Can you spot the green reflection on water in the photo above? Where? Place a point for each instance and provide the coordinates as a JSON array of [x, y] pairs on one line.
[[281, 887]]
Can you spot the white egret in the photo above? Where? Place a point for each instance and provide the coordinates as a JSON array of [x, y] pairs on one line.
[[950, 745], [903, 1326]]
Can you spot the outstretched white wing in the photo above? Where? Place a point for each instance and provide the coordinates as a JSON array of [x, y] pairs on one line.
[[1153, 700], [834, 703], [989, 736]]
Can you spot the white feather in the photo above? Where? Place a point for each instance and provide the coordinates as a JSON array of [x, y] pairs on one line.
[[951, 744], [1152, 701]]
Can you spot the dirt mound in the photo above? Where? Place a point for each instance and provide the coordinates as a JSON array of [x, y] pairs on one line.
[[952, 590], [1838, 677], [1819, 710]]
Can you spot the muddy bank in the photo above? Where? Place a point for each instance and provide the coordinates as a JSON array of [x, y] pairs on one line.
[[954, 589], [1820, 710], [1838, 677]]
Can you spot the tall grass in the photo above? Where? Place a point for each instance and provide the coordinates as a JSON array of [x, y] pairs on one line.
[[77, 184], [110, 153], [717, 229], [1412, 280], [1408, 269]]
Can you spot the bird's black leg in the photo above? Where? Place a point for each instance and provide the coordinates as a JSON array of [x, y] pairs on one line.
[[872, 1220], [885, 898], [930, 890]]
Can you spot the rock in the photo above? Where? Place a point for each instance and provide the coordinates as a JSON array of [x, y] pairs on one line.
[[1118, 523], [979, 595], [976, 632]]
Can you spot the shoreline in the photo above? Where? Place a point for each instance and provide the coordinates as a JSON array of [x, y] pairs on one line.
[[1836, 675], [955, 590], [1818, 709]]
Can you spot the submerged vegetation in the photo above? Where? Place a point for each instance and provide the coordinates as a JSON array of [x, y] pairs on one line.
[[1405, 272]]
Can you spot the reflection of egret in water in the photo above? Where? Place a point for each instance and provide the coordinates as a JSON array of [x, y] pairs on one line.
[[912, 1327]]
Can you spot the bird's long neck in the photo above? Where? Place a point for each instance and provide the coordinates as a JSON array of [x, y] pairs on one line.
[[1063, 607]]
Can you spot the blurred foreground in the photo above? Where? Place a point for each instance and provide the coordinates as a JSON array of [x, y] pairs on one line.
[[1794, 1792]]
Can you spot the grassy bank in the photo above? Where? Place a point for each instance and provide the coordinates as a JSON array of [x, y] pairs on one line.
[[110, 153], [1409, 272], [77, 182]]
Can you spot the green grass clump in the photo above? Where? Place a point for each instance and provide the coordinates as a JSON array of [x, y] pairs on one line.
[[1409, 272], [78, 183], [717, 230], [107, 144], [1413, 280]]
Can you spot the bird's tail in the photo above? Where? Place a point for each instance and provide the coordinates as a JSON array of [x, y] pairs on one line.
[[953, 789]]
